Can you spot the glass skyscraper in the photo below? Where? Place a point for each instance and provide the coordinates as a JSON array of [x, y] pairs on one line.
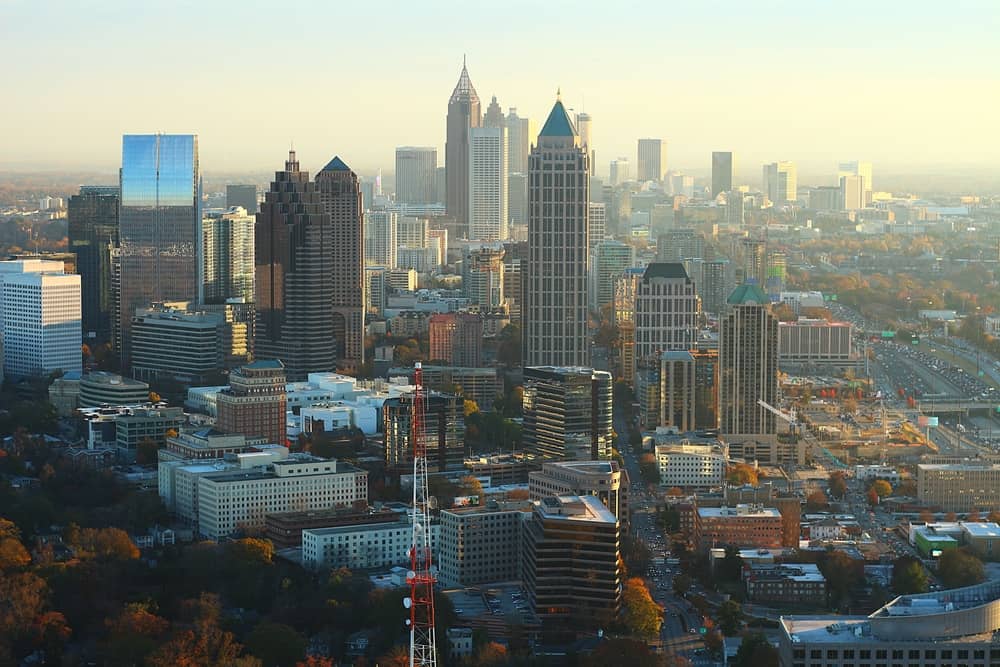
[[159, 223], [93, 231]]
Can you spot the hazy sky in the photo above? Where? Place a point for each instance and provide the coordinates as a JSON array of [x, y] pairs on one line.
[[905, 84]]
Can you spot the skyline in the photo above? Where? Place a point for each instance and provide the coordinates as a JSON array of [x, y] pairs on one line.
[[677, 74]]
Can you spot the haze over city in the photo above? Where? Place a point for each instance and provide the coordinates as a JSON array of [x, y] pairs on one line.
[[776, 80]]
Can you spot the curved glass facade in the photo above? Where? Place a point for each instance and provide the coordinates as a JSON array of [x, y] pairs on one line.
[[159, 222]]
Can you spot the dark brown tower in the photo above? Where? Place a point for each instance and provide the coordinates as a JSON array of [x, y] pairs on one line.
[[463, 113]]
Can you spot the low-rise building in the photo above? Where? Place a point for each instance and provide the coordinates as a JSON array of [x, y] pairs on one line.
[[690, 466], [788, 583], [362, 546], [284, 529], [501, 469], [959, 487], [124, 427], [481, 544], [99, 388], [740, 526]]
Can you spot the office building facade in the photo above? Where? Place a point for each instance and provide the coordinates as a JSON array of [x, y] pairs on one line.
[[294, 276], [444, 428], [488, 198], [340, 194], [567, 413], [748, 364], [483, 276], [555, 324], [254, 402], [479, 545], [652, 160], [92, 230], [244, 196], [605, 480], [666, 310], [381, 238], [780, 182], [723, 172], [416, 169], [228, 256], [609, 262], [463, 114], [159, 223]]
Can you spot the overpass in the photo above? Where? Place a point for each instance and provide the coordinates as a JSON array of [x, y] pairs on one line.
[[955, 406]]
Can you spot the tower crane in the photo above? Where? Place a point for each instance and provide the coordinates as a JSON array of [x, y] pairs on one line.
[[791, 418]]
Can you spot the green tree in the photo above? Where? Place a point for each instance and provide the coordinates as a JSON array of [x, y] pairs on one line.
[[756, 651], [642, 616], [682, 584], [622, 651], [837, 484], [729, 616], [841, 574], [509, 345], [958, 567], [276, 644], [908, 576]]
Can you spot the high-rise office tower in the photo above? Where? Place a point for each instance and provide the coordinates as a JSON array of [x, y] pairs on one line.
[[494, 114], [567, 413], [92, 222], [518, 142], [712, 289], [39, 318], [488, 183], [735, 208], [780, 182], [555, 323], [777, 264], [619, 171], [706, 388], [723, 171], [483, 275], [676, 245], [610, 260], [244, 196], [381, 239], [416, 170], [584, 125], [666, 310], [681, 184], [456, 339], [598, 224], [517, 199], [852, 192], [652, 162], [862, 169], [677, 390], [463, 115], [340, 194], [754, 261], [748, 364], [295, 274], [228, 256], [411, 232], [159, 223]]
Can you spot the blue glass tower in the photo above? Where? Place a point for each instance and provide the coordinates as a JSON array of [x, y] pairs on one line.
[[159, 223]]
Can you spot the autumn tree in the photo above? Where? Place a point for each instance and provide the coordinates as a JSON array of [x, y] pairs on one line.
[[204, 642], [490, 654], [642, 616], [837, 484], [276, 644], [908, 576], [741, 473], [816, 500], [12, 552], [132, 635], [841, 574], [101, 543], [881, 487], [397, 656], [729, 616], [622, 651]]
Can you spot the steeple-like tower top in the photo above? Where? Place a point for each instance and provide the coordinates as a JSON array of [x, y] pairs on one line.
[[464, 90], [292, 163], [336, 164], [559, 123]]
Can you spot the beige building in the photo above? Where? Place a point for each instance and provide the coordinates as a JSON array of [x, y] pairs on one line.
[[604, 479], [687, 465], [959, 487]]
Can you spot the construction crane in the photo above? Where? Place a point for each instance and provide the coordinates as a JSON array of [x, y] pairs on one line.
[[793, 422], [421, 576]]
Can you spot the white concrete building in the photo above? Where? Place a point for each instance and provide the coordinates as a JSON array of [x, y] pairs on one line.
[[380, 238], [488, 198], [687, 465], [40, 318], [362, 546]]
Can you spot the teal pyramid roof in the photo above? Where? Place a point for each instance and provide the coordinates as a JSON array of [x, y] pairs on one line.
[[748, 294], [336, 164], [558, 123]]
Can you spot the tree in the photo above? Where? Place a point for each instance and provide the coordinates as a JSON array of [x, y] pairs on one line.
[[23, 596], [816, 500], [276, 644], [12, 552], [958, 567], [908, 576], [742, 473], [133, 635], [146, 451], [882, 488], [471, 486], [675, 492], [204, 643], [906, 488], [872, 497], [641, 616], [102, 543], [470, 407], [509, 345], [397, 656], [622, 651], [756, 651], [841, 574], [714, 641], [729, 616], [837, 484], [648, 469], [973, 517], [490, 654], [993, 516]]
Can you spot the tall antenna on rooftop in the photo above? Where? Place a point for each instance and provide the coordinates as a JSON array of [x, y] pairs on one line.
[[423, 643]]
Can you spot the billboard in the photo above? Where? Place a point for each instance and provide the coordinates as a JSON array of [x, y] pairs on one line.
[[465, 501], [924, 421]]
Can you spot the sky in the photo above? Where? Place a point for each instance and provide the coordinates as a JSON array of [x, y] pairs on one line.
[[905, 84]]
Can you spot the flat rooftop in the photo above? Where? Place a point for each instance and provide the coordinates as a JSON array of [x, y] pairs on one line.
[[575, 508], [958, 467], [746, 512]]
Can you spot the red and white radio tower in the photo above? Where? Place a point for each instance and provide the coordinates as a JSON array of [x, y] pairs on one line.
[[423, 643]]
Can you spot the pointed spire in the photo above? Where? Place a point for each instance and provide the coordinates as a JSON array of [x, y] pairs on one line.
[[559, 94], [291, 164], [558, 123], [464, 90]]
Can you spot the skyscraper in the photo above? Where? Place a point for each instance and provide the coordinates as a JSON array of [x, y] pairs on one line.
[[584, 124], [483, 275], [748, 364], [598, 224], [159, 223], [381, 238], [609, 261], [416, 170], [862, 169], [92, 221], [619, 171], [494, 114], [666, 310], [754, 261], [463, 115], [518, 142], [712, 289], [567, 413], [340, 194], [295, 274], [652, 162], [488, 183], [555, 322], [852, 192], [780, 182], [228, 256], [254, 402], [723, 171]]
